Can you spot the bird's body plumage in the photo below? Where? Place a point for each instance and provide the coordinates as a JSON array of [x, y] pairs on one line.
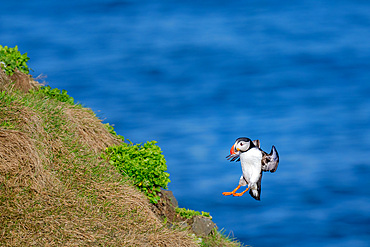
[[253, 162], [251, 168]]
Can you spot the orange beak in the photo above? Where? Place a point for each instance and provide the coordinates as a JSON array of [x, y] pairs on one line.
[[232, 150]]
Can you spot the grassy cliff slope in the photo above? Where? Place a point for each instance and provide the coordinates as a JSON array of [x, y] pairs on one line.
[[57, 190], [54, 187]]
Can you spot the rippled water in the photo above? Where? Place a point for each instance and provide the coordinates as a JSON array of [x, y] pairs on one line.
[[195, 76]]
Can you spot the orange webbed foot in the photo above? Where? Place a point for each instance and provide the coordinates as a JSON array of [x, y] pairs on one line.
[[241, 193], [238, 194], [232, 192]]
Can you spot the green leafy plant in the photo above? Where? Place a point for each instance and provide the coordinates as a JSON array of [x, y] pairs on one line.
[[11, 59], [54, 93], [144, 164], [188, 213]]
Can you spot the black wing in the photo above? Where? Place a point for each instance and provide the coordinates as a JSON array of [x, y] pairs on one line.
[[270, 161]]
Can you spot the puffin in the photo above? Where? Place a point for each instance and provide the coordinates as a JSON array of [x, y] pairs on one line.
[[254, 161]]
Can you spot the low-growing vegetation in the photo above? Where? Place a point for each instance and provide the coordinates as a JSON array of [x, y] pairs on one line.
[[11, 60], [189, 213], [144, 164], [54, 93]]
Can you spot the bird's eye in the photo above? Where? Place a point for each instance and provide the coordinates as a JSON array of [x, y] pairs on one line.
[[241, 144]]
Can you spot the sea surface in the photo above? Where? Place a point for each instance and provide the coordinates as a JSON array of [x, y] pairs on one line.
[[196, 75]]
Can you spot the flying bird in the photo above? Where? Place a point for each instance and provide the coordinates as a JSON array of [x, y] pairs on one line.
[[254, 161]]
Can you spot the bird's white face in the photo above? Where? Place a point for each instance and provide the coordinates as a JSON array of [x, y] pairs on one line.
[[240, 145]]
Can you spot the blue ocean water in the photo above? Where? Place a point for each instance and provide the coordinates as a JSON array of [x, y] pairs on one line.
[[196, 75]]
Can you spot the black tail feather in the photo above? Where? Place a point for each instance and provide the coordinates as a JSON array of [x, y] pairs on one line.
[[258, 196]]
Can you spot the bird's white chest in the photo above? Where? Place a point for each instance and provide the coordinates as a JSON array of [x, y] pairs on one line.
[[251, 164]]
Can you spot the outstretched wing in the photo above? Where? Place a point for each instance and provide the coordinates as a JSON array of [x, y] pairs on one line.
[[270, 161]]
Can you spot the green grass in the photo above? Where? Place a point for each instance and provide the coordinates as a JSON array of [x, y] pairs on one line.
[[219, 238], [54, 93]]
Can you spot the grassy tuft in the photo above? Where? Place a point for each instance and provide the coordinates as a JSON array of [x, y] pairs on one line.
[[219, 238], [54, 93]]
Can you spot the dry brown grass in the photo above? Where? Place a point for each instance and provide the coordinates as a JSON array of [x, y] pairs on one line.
[[55, 190], [4, 81], [90, 129], [20, 164], [18, 80]]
